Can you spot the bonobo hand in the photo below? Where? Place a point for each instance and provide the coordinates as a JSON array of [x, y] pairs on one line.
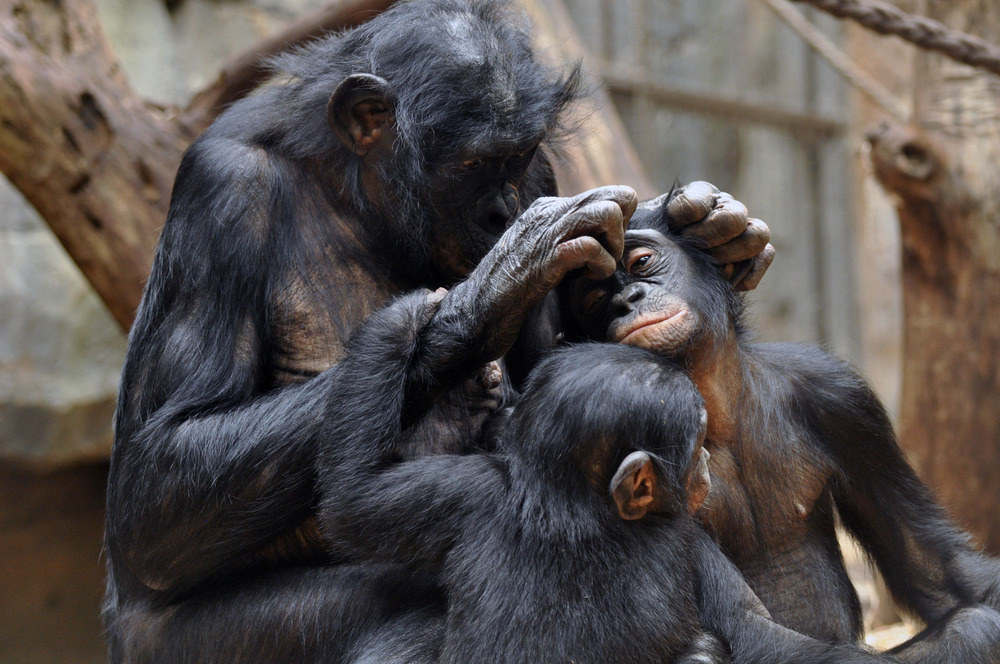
[[553, 236], [701, 211]]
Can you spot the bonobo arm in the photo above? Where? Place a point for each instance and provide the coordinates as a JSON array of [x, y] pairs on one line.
[[480, 317], [210, 461], [372, 505], [730, 609], [408, 512], [927, 562]]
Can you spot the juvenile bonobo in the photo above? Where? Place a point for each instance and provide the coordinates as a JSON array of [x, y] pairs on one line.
[[585, 509], [797, 439]]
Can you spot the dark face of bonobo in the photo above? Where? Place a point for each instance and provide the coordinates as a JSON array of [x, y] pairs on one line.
[[473, 198], [650, 302], [447, 119]]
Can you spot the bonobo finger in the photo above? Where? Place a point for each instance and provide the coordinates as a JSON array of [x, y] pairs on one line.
[[692, 203], [622, 195], [583, 252], [490, 376], [432, 300], [603, 220], [746, 246], [758, 266], [726, 221]]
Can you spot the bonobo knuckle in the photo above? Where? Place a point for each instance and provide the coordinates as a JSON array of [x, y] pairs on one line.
[[759, 230]]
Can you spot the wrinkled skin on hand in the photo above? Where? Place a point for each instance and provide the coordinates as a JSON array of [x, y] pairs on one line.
[[553, 237], [731, 236]]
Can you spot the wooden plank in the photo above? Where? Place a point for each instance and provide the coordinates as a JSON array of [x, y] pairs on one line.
[[600, 152]]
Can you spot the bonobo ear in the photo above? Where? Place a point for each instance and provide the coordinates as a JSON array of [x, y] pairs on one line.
[[359, 110], [635, 487]]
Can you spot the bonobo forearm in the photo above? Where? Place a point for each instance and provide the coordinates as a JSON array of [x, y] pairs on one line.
[[190, 496], [479, 319], [410, 512], [731, 610], [372, 506]]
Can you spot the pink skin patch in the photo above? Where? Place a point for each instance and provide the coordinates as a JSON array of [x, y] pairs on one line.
[[659, 331]]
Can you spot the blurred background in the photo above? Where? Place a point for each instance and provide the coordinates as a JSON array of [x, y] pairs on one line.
[[721, 90]]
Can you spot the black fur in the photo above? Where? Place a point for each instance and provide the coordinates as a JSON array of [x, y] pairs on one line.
[[537, 563], [280, 240], [799, 439]]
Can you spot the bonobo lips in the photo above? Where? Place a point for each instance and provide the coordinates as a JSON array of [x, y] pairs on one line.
[[662, 330]]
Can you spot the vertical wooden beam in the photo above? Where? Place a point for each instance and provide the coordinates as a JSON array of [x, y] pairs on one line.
[[601, 152]]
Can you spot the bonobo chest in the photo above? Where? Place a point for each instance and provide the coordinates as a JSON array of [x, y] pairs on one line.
[[775, 521], [314, 312], [774, 480]]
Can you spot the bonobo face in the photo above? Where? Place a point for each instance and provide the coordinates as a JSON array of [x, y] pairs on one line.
[[473, 199], [649, 302]]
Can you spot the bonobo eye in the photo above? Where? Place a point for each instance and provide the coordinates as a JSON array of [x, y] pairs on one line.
[[637, 260], [472, 164], [593, 300], [517, 163]]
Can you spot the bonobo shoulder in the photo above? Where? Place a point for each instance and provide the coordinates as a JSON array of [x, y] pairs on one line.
[[829, 380], [223, 182], [824, 392]]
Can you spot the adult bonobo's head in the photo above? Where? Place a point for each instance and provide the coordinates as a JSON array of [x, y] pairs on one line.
[[439, 108], [667, 295], [605, 424]]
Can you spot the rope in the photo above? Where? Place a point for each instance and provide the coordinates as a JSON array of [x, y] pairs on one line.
[[829, 51], [924, 32]]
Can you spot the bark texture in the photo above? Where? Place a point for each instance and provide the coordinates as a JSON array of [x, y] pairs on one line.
[[944, 173], [96, 161]]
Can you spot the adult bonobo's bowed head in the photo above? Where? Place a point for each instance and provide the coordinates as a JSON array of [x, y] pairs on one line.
[[436, 111]]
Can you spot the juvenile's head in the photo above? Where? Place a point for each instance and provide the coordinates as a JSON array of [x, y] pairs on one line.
[[667, 295], [615, 421]]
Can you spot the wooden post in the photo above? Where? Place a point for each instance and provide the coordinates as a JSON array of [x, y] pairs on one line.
[[944, 173]]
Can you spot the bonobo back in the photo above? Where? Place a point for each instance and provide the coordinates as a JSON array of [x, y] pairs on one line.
[[594, 527], [593, 592]]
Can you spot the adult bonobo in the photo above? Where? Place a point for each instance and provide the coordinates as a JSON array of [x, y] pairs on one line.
[[378, 161], [588, 517], [797, 439]]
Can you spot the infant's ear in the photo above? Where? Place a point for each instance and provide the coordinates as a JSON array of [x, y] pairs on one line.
[[635, 486]]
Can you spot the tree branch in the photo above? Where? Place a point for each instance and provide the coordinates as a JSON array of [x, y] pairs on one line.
[[96, 161], [248, 69]]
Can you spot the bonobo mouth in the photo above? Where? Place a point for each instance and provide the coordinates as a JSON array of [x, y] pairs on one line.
[[652, 330]]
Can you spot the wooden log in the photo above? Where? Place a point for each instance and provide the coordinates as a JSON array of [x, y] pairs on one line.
[[96, 161]]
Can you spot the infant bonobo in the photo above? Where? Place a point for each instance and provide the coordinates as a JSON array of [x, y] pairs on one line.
[[797, 438], [574, 541]]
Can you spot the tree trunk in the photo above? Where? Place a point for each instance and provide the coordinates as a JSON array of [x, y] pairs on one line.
[[945, 176], [96, 161]]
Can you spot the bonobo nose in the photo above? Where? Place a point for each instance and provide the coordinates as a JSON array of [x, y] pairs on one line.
[[496, 211], [624, 302]]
